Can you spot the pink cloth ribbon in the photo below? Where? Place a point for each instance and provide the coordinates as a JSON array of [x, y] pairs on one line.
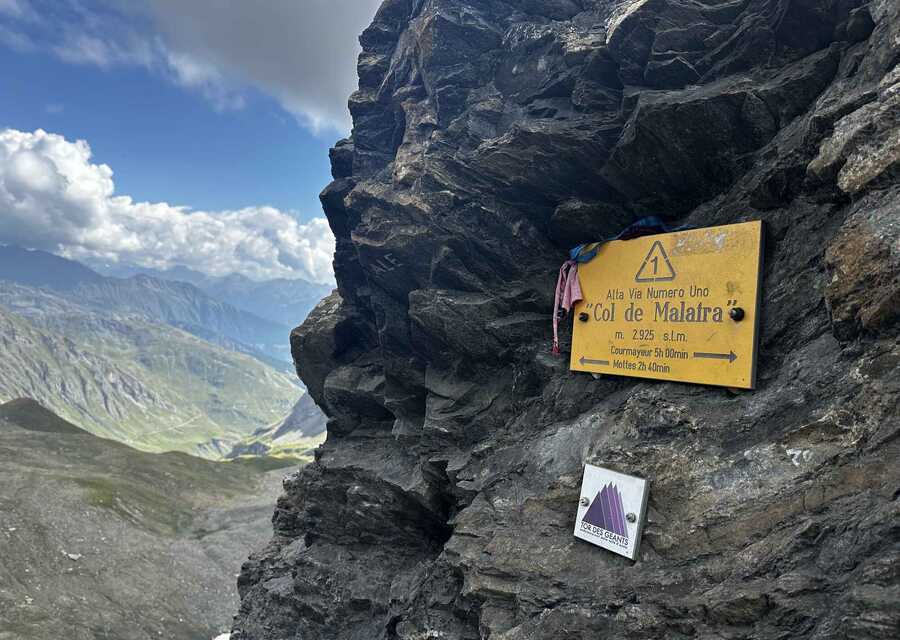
[[568, 292]]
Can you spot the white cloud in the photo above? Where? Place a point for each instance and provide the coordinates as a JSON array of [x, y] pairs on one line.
[[52, 197], [196, 74], [301, 52], [82, 48]]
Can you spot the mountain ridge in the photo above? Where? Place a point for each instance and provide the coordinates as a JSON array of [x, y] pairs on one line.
[[281, 300], [30, 414], [177, 303]]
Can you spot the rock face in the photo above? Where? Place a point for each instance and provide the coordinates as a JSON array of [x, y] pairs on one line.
[[489, 136]]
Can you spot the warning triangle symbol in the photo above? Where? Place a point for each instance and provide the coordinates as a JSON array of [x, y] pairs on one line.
[[656, 266]]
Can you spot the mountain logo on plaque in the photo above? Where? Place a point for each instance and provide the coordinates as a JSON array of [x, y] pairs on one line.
[[612, 510], [607, 512]]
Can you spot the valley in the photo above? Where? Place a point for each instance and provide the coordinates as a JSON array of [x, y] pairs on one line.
[[145, 430], [155, 364]]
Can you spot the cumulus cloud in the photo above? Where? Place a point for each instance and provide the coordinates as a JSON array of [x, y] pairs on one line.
[[53, 197], [301, 52]]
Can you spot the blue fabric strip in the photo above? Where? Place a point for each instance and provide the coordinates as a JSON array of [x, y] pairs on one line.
[[647, 226]]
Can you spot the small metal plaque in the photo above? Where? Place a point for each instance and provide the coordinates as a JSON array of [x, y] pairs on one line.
[[675, 306], [612, 510]]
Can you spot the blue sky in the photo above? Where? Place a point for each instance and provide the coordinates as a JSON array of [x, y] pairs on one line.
[[213, 118], [166, 143]]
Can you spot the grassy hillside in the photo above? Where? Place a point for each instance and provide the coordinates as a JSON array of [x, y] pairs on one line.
[[98, 540], [152, 386], [298, 435], [26, 413]]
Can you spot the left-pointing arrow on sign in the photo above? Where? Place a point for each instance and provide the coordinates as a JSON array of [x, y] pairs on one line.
[[585, 361], [731, 356]]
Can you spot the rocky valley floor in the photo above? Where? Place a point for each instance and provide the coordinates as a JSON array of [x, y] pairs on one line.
[[100, 541]]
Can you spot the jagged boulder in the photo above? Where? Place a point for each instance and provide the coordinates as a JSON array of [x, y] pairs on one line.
[[490, 136]]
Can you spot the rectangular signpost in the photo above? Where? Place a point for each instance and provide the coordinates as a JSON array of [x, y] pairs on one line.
[[680, 306]]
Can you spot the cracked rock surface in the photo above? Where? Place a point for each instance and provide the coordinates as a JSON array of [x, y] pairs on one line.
[[491, 135]]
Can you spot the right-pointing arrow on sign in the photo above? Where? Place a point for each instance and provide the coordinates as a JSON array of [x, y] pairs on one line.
[[731, 356], [585, 361]]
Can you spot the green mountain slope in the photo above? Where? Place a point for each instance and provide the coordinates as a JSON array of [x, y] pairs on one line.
[[301, 432], [152, 386], [100, 541]]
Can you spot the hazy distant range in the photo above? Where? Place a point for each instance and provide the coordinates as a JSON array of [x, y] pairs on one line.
[[286, 302]]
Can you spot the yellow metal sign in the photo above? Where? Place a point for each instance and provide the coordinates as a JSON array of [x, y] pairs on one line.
[[677, 306]]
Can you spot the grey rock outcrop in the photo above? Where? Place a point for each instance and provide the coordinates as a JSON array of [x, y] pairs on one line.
[[490, 135]]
